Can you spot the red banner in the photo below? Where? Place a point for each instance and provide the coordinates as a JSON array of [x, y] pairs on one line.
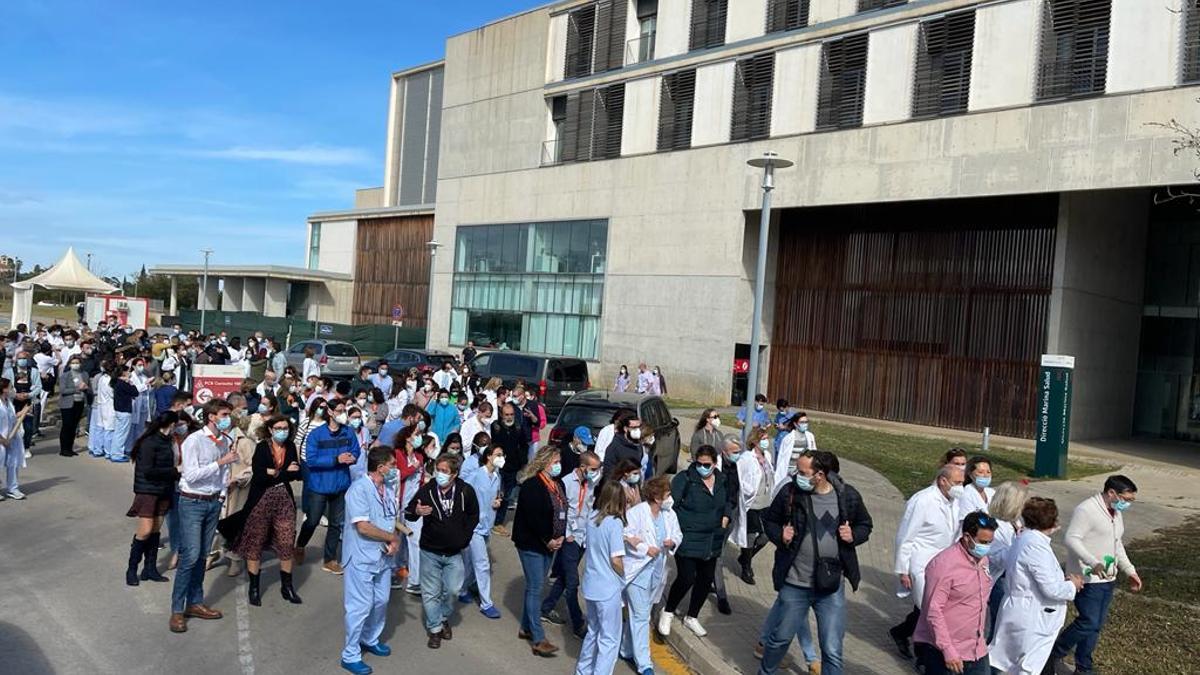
[[209, 382]]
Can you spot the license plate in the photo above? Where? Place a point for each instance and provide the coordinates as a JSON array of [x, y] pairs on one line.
[[567, 392]]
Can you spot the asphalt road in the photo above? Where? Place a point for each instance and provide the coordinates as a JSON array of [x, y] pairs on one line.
[[65, 608]]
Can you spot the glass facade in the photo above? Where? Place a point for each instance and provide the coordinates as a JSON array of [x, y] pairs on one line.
[[534, 287], [314, 246]]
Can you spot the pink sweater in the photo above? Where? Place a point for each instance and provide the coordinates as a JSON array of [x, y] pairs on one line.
[[954, 610]]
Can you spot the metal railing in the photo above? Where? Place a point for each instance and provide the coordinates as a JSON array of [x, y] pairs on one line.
[[640, 49], [551, 152]]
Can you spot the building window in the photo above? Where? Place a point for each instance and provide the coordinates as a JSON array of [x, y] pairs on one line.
[[843, 83], [752, 98], [314, 246], [708, 24], [1074, 58], [581, 37], [641, 48], [675, 110], [871, 5], [552, 153], [786, 15], [1191, 42], [595, 38], [535, 287], [942, 79], [591, 125]]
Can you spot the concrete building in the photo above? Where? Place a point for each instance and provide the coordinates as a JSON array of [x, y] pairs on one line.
[[976, 183]]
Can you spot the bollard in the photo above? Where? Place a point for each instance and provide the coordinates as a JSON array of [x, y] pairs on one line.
[[987, 433]]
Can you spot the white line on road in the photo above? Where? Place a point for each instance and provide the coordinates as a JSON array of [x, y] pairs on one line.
[[245, 649]]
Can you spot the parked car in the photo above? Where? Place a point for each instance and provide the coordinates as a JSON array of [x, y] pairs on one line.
[[594, 409], [423, 360], [338, 359], [556, 378]]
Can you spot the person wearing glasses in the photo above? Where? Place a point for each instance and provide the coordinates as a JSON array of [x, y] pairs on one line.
[[708, 430]]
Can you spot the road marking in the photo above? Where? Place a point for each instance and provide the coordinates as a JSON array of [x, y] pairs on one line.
[[245, 649], [666, 660]]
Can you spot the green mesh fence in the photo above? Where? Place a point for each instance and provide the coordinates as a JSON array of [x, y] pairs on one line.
[[371, 339]]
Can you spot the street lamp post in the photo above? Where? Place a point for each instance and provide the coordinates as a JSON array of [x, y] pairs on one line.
[[433, 246], [204, 287], [768, 163], [89, 261]]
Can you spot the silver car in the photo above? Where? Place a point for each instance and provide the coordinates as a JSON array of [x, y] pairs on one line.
[[337, 359]]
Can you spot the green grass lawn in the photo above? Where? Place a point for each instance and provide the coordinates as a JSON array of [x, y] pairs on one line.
[[63, 313], [909, 462]]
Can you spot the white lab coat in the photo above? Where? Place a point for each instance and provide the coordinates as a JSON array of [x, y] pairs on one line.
[[927, 528], [783, 456], [103, 402], [1034, 607], [1002, 543], [639, 523], [671, 525], [750, 474], [971, 501], [471, 427], [604, 438]]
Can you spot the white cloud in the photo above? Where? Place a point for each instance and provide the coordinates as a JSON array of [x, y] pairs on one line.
[[318, 155]]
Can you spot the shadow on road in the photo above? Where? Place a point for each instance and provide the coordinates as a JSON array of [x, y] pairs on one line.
[[21, 652]]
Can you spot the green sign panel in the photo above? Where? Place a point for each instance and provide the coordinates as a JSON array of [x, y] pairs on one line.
[[1054, 415]]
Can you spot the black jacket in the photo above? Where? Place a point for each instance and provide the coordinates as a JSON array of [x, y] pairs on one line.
[[260, 481], [794, 505], [154, 471], [515, 444], [533, 523], [446, 532], [700, 513], [621, 448]]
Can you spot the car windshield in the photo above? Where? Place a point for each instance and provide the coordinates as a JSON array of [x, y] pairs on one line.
[[340, 349], [584, 416]]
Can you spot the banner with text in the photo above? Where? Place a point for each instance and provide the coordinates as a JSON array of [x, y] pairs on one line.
[[211, 382]]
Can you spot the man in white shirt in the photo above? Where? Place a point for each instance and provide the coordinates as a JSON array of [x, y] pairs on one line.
[[445, 377], [204, 467], [1094, 541], [479, 420], [928, 527]]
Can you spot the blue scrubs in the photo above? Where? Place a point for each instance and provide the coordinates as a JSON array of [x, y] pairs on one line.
[[602, 588], [368, 571], [479, 569]]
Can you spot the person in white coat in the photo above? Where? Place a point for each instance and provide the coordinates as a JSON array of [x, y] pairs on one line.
[[1035, 607], [929, 526], [103, 422], [646, 544], [977, 487], [12, 442], [755, 482], [797, 440], [1005, 507]]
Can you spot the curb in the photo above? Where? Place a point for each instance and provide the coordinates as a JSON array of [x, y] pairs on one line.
[[698, 653]]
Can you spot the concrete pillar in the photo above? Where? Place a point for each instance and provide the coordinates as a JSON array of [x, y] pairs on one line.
[[174, 291], [1096, 304], [275, 297], [231, 295], [253, 290], [209, 298]]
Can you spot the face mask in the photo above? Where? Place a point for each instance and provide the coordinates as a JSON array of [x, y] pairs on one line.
[[181, 429], [443, 401], [280, 435], [421, 425], [1121, 505], [983, 481], [668, 503], [632, 479], [498, 461], [956, 491], [356, 423], [735, 456], [24, 363], [443, 479], [74, 366], [317, 389], [392, 477], [481, 447], [383, 372], [803, 427], [979, 550], [758, 407], [592, 475], [263, 408], [70, 343], [635, 433], [716, 423], [764, 443], [555, 469], [804, 482], [319, 414], [340, 418], [428, 386], [139, 369], [705, 470], [417, 441], [362, 402], [223, 423], [509, 423], [462, 406]]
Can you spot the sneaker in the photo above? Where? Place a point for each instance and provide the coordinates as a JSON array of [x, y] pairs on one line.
[[413, 590], [490, 612], [500, 530], [333, 567], [324, 521], [397, 583], [759, 650], [814, 668], [693, 624], [1, 497], [664, 622], [357, 667], [378, 649], [465, 598], [553, 617], [723, 606], [28, 454], [15, 494], [902, 643]]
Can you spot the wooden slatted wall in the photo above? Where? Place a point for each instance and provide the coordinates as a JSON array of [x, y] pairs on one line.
[[392, 268], [927, 312]]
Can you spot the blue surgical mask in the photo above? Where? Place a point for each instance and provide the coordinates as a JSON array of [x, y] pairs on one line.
[[280, 435], [735, 456], [1121, 505], [592, 475], [765, 444], [356, 423], [555, 469], [417, 441], [705, 470], [979, 550], [632, 479], [421, 425], [392, 476], [803, 427], [983, 481], [804, 482], [442, 478], [263, 408], [223, 423]]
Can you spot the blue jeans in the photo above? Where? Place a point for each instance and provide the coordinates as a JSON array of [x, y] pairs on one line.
[[172, 522], [802, 631], [121, 437], [566, 582], [508, 495], [830, 609], [1084, 632], [934, 662], [534, 564], [197, 524], [333, 507], [441, 580]]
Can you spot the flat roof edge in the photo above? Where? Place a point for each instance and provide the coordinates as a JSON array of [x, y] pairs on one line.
[[377, 212]]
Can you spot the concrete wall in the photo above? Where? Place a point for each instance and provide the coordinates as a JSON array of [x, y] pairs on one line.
[[1005, 54], [231, 293], [674, 26], [253, 290], [640, 130], [820, 11], [745, 19], [556, 48], [1096, 304], [368, 198], [1136, 62], [275, 297], [331, 302], [338, 241], [209, 299], [890, 74], [713, 103], [794, 104]]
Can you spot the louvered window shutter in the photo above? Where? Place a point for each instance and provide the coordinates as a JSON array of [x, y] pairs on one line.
[[708, 24], [942, 76], [581, 34], [675, 111], [587, 124], [610, 35], [610, 108], [1190, 61], [1074, 49], [843, 83], [568, 142], [752, 98], [786, 15], [870, 5]]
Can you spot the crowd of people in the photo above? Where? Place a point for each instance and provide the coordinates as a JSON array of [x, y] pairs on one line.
[[413, 474]]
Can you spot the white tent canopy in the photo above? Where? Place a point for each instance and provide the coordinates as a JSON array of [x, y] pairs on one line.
[[68, 274]]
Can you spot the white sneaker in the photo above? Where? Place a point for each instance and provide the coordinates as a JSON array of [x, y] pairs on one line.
[[28, 455], [15, 494], [664, 622], [693, 625], [324, 521]]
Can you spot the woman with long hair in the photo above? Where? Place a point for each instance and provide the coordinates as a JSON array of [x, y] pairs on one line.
[[269, 515], [154, 476], [629, 475], [708, 430], [411, 459], [646, 546], [539, 530], [1005, 506], [268, 407], [756, 482], [621, 385], [603, 580]]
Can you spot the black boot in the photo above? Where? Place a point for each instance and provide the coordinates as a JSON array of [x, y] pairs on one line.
[[135, 557], [150, 566], [286, 589], [255, 595]]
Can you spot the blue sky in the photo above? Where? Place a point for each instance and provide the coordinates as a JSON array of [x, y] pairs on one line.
[[142, 131]]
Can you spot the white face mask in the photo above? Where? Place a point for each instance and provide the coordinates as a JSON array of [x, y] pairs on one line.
[[956, 491], [498, 461], [635, 433]]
